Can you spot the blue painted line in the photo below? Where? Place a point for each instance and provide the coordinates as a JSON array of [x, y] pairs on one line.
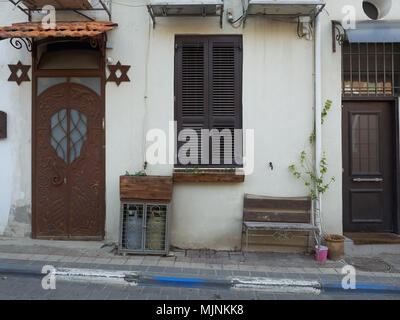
[[179, 280], [364, 288], [185, 282]]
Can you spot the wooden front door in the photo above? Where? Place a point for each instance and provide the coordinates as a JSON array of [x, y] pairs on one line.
[[368, 166], [68, 155]]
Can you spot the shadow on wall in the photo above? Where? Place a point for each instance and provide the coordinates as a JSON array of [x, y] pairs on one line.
[[19, 222]]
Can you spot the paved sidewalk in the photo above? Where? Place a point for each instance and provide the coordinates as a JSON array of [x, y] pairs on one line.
[[206, 265], [100, 253]]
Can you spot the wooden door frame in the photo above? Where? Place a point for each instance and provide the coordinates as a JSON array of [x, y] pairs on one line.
[[396, 194], [36, 73]]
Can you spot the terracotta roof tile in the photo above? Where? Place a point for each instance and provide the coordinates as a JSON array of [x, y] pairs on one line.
[[63, 29]]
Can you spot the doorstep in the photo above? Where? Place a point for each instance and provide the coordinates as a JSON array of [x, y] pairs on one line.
[[364, 238]]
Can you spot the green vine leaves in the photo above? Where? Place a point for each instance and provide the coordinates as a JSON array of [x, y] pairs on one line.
[[304, 170]]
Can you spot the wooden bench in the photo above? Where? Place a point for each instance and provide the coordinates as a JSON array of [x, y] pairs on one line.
[[276, 213]]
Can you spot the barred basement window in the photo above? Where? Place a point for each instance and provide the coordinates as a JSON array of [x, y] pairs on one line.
[[208, 95], [371, 69]]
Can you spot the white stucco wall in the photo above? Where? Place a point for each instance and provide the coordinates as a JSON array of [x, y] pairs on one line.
[[278, 100], [15, 151]]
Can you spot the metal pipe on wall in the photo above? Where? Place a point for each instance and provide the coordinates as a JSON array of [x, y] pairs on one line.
[[318, 108]]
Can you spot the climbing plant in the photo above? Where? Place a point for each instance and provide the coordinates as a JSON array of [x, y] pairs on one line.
[[317, 184]]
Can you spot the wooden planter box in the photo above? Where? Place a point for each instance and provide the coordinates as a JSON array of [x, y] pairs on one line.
[[207, 177], [147, 188]]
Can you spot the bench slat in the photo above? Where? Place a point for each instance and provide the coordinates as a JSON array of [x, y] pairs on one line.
[[277, 203], [280, 226], [273, 216]]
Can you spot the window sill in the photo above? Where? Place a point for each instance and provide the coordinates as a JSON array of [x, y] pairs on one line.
[[212, 176]]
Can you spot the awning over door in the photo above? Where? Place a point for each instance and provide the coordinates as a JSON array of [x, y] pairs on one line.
[[375, 32], [62, 29]]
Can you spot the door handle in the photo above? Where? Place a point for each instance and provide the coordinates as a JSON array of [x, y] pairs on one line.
[[367, 179], [57, 180]]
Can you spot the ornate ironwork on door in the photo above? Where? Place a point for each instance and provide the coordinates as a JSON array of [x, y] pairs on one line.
[[69, 163]]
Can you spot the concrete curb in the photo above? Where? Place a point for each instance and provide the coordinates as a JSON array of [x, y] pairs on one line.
[[281, 285], [21, 269]]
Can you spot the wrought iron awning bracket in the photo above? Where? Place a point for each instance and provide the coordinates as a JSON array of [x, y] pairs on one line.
[[151, 13], [316, 12], [338, 34], [18, 43], [221, 16], [24, 10]]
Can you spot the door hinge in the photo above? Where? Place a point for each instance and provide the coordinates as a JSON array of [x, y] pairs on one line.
[[103, 123], [65, 180]]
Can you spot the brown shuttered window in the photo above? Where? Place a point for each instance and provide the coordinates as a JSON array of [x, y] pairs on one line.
[[208, 95]]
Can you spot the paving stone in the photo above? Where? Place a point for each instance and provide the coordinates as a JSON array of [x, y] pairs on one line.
[[258, 274], [241, 273], [155, 269], [166, 263], [135, 259], [224, 273], [118, 261], [138, 268], [206, 272], [172, 270]]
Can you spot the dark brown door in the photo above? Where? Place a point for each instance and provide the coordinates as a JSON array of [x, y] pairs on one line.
[[368, 166], [69, 163]]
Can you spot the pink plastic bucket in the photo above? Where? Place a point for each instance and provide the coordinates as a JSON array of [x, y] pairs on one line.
[[322, 254]]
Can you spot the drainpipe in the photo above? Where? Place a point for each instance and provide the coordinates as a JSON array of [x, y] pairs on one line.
[[318, 108]]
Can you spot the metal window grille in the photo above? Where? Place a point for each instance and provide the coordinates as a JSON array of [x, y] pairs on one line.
[[371, 69], [144, 228]]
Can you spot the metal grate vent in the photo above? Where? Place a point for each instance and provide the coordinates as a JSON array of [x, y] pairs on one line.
[[144, 228], [156, 220]]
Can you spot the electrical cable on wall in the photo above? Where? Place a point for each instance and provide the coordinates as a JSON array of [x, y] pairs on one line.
[[241, 19]]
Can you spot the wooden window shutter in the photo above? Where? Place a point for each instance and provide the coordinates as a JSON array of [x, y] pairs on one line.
[[225, 93], [208, 90], [191, 88]]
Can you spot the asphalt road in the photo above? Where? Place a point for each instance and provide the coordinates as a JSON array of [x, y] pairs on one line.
[[17, 287]]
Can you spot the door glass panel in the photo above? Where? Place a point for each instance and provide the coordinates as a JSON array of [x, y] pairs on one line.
[[59, 133], [45, 83], [365, 143], [78, 134], [92, 83]]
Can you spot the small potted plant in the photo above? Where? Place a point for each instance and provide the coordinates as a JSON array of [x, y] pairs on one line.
[[335, 244]]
